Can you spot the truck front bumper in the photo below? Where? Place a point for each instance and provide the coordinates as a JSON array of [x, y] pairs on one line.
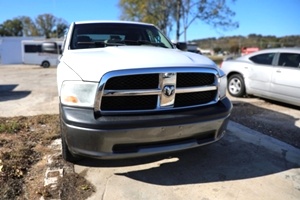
[[131, 136]]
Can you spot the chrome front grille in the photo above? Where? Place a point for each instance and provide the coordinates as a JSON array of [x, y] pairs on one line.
[[152, 90]]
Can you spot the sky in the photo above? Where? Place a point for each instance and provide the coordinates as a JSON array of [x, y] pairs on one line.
[[266, 17]]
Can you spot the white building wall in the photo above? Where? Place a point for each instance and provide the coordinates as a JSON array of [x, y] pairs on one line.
[[11, 49]]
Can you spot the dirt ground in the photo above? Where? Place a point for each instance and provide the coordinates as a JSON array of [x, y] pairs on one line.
[[24, 144]]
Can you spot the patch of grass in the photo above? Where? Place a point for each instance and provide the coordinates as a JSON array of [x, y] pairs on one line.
[[9, 127]]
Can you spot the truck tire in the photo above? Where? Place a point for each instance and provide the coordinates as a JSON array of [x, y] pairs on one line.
[[66, 154]]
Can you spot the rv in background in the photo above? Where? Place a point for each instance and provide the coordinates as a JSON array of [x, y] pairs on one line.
[[40, 52]]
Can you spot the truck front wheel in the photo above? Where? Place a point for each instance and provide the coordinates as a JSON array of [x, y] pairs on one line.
[[66, 154]]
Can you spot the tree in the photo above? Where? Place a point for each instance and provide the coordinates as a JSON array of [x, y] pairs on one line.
[[235, 49], [157, 12], [44, 25], [217, 49], [212, 12], [11, 28], [50, 26], [164, 13], [29, 27], [61, 27]]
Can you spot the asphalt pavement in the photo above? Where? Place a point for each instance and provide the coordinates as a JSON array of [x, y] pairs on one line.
[[244, 165]]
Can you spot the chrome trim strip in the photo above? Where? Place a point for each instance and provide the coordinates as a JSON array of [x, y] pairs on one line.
[[156, 91], [114, 93], [157, 109], [196, 89]]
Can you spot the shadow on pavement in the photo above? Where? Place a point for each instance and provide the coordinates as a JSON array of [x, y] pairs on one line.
[[228, 159], [7, 93]]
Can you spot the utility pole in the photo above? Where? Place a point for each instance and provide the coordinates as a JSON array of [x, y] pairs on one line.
[[178, 17]]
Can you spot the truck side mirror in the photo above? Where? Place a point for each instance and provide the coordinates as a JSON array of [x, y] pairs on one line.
[[182, 46]]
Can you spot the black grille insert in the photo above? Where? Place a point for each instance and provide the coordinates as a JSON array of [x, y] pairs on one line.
[[195, 98], [194, 79], [132, 82], [129, 103]]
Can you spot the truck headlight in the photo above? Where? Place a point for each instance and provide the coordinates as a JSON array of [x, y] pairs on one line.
[[222, 86], [78, 93]]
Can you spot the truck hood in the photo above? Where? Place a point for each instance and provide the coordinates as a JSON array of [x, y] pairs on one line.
[[91, 64]]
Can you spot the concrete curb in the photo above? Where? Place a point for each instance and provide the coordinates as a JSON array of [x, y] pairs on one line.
[[52, 174], [288, 152]]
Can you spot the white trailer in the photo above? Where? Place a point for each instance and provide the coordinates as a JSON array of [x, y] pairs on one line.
[[41, 52]]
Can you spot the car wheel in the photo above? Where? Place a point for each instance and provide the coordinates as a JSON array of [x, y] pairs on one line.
[[66, 154], [236, 85], [45, 64]]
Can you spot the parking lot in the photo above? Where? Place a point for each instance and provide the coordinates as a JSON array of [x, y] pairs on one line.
[[245, 164]]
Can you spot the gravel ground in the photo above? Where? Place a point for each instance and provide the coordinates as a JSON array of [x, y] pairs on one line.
[[275, 119]]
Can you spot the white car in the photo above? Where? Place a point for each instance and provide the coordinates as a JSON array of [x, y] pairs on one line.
[[271, 73], [126, 91]]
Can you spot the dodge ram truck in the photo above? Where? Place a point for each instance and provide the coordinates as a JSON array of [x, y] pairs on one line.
[[126, 91]]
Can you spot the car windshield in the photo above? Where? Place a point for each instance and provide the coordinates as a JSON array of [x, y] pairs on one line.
[[99, 35]]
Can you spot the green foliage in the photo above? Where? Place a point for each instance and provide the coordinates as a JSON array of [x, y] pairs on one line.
[[233, 44], [61, 27], [44, 25], [12, 27], [217, 59], [217, 49], [182, 13], [9, 127], [29, 27], [156, 12]]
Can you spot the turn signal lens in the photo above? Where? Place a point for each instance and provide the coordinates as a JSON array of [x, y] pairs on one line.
[[71, 99]]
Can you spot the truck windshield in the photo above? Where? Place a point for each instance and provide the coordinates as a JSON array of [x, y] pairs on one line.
[[99, 35]]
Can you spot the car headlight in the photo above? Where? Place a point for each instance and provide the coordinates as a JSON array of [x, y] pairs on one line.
[[222, 84], [78, 93]]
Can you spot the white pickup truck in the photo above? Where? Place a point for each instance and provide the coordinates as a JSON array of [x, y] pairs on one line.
[[126, 91]]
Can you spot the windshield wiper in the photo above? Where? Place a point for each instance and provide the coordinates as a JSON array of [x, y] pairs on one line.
[[101, 44], [98, 44], [115, 43], [142, 42], [90, 44]]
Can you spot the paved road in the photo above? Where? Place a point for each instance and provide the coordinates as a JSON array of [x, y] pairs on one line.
[[27, 90], [244, 165]]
